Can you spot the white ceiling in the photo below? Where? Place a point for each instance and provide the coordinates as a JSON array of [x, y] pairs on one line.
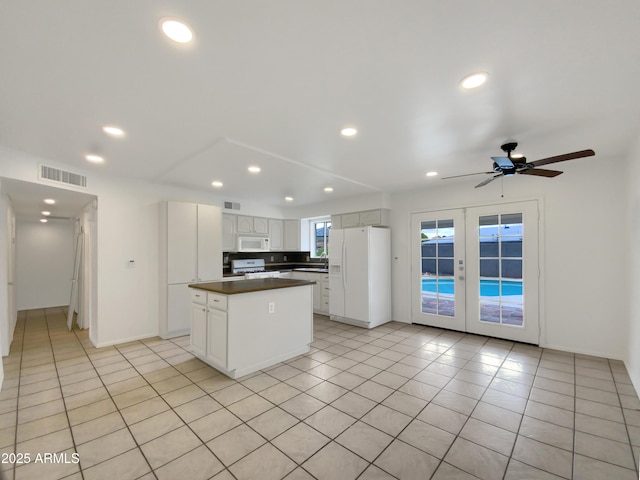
[[272, 83], [27, 200]]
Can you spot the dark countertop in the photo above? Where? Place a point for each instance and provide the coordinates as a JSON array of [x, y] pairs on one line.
[[312, 270], [248, 286]]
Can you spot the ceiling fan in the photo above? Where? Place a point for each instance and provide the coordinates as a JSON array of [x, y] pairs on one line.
[[512, 164]]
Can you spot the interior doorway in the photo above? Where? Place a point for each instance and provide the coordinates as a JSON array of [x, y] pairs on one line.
[[72, 211], [477, 269]]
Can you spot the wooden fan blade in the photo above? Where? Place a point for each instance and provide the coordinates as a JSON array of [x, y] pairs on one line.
[[563, 158], [488, 180], [466, 175], [542, 172]]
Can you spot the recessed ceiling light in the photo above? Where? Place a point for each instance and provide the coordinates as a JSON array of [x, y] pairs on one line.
[[328, 189], [94, 158], [254, 169], [348, 132], [44, 220], [216, 184], [45, 213], [473, 80], [49, 201], [432, 174], [113, 131], [288, 199], [176, 30]]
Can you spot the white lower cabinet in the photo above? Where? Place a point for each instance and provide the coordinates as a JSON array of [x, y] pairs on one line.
[[324, 284], [247, 332], [198, 322], [199, 329], [177, 312], [320, 289], [217, 337], [209, 327]]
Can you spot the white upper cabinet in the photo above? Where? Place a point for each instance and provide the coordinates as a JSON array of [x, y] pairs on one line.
[[209, 241], [261, 225], [284, 235], [350, 220], [245, 224], [194, 243], [291, 235], [371, 217], [276, 234], [229, 229], [377, 217], [182, 243], [257, 225]]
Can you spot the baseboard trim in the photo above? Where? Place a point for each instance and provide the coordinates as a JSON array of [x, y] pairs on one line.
[[110, 343], [581, 351]]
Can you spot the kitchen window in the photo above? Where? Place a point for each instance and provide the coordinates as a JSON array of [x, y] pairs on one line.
[[320, 238]]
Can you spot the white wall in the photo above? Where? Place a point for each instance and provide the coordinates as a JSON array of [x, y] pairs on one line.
[[7, 317], [633, 338], [127, 300], [342, 205], [584, 295], [44, 263]]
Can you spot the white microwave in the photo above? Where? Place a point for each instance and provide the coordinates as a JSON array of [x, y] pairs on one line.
[[253, 244]]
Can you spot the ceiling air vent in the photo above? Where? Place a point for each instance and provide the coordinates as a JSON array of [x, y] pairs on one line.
[[57, 175], [232, 205]]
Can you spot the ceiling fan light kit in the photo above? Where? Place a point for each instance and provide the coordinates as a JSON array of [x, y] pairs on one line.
[[512, 164]]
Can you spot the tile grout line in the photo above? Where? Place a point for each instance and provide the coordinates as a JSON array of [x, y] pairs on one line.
[[513, 447], [66, 411], [15, 444], [119, 413], [624, 417], [186, 424], [493, 377], [377, 403]]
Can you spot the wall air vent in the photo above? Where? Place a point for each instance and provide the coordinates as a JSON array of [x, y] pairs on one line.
[[57, 175], [232, 205]]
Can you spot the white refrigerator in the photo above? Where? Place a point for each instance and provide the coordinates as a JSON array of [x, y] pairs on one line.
[[360, 276]]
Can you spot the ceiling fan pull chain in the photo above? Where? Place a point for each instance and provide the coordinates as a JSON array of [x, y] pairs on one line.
[[502, 187]]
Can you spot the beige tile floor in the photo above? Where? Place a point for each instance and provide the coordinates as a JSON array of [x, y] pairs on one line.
[[399, 401]]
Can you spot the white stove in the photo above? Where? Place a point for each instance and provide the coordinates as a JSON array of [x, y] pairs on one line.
[[252, 268]]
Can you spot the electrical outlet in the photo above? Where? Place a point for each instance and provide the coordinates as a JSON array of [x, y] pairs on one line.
[[272, 307]]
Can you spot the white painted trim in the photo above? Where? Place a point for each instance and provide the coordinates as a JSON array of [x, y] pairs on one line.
[[125, 340], [579, 351]]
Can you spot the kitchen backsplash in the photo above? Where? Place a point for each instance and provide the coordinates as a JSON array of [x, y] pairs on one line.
[[271, 259]]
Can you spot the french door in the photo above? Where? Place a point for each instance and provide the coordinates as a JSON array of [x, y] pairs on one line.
[[476, 270]]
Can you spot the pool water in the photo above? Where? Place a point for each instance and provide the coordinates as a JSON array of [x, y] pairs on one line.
[[488, 288]]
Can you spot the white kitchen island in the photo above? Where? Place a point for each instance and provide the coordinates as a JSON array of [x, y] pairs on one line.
[[240, 327]]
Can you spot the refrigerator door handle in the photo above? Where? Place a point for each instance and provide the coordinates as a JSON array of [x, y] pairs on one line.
[[344, 264]]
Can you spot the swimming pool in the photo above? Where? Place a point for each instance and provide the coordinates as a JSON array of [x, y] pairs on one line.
[[488, 288]]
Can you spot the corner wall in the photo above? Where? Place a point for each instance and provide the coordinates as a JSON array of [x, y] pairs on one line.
[[584, 295], [633, 337], [127, 300]]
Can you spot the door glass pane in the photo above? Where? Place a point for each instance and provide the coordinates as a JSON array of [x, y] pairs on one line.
[[501, 266], [437, 252]]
